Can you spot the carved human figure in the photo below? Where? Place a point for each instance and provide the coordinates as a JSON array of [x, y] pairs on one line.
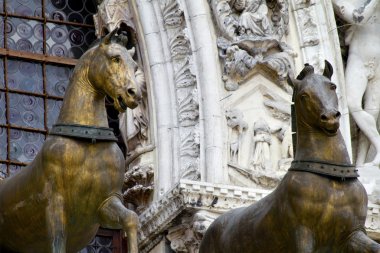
[[261, 142], [284, 134], [362, 71], [254, 19], [238, 125], [134, 123]]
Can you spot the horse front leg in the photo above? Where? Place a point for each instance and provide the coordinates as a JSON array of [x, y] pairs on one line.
[[304, 240], [359, 242], [55, 218], [114, 215]]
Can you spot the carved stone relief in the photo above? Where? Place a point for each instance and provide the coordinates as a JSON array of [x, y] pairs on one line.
[[186, 237], [251, 33], [238, 127], [139, 185], [186, 90], [259, 139], [306, 18], [308, 27], [111, 14]]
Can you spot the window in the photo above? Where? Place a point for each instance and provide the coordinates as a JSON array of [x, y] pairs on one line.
[[40, 42]]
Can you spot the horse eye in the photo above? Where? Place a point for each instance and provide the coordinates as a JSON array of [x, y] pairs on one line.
[[304, 96], [115, 59], [333, 87]]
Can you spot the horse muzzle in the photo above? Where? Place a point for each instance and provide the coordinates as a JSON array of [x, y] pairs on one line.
[[330, 122]]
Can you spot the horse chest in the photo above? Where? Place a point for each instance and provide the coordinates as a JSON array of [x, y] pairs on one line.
[[329, 201], [93, 169]]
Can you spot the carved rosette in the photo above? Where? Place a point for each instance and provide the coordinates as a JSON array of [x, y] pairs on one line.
[[186, 89], [251, 35]]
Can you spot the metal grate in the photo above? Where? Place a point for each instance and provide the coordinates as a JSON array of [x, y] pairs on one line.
[[40, 42]]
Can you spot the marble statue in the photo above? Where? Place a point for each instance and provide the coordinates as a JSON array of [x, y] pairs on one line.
[[261, 141], [239, 126], [362, 71], [254, 19]]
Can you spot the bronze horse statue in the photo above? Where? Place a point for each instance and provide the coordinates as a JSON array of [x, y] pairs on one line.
[[319, 206], [73, 186]]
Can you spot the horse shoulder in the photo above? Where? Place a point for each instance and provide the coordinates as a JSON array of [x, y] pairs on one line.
[[60, 155], [303, 191]]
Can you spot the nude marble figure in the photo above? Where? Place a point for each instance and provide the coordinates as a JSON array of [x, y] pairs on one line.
[[363, 71]]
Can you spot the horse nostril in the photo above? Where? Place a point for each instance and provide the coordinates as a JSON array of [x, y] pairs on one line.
[[324, 117], [131, 92], [337, 115]]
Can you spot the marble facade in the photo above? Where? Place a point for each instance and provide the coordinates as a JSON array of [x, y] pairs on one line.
[[213, 132]]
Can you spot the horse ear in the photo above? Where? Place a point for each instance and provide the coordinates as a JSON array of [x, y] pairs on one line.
[[307, 70], [294, 83], [328, 71], [107, 39]]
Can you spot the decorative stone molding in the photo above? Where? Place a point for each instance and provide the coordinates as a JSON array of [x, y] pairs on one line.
[[306, 18], [188, 110], [172, 14], [192, 196], [308, 27], [190, 145], [186, 90], [251, 35], [180, 46], [184, 76], [139, 185]]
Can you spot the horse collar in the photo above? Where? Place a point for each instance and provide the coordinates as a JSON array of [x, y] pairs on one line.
[[325, 168], [92, 133]]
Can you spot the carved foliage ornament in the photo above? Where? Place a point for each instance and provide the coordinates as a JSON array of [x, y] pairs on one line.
[[251, 33], [138, 186], [186, 90]]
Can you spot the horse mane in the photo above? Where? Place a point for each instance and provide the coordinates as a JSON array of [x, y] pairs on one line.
[[121, 39], [307, 70]]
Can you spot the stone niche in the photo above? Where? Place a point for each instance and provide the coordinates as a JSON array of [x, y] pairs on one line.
[[258, 139]]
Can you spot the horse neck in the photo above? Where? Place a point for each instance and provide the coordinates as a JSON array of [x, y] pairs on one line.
[[315, 145], [82, 103]]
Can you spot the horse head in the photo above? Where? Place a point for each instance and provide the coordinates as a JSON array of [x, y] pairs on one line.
[[316, 101], [112, 71]]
